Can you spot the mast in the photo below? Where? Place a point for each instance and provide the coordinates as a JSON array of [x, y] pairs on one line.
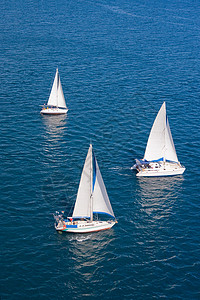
[[57, 74], [91, 184], [165, 127], [164, 158]]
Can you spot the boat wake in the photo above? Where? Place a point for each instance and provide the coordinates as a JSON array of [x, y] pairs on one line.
[[81, 238]]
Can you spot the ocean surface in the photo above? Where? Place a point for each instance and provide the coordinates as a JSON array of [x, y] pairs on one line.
[[118, 61]]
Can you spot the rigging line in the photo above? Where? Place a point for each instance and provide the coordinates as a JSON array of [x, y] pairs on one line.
[[70, 208]]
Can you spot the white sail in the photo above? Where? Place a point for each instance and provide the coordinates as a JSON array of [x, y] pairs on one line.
[[101, 202], [53, 98], [92, 196], [160, 143], [61, 98], [56, 97], [170, 153], [83, 205]]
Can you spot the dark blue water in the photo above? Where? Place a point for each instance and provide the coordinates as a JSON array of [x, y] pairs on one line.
[[118, 61]]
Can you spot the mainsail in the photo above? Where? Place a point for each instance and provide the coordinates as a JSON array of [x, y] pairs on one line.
[[56, 97], [82, 205], [92, 194], [160, 144]]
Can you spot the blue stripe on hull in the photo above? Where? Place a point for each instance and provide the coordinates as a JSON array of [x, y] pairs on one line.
[[71, 226]]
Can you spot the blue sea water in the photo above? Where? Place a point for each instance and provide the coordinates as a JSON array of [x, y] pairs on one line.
[[118, 61]]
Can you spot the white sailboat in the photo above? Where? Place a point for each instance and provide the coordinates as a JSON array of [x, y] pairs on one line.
[[160, 158], [56, 104], [92, 200]]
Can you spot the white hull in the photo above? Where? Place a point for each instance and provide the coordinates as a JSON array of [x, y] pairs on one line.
[[54, 111], [84, 226], [157, 170]]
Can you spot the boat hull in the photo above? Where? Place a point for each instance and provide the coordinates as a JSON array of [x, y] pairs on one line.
[[84, 226], [167, 170], [53, 111]]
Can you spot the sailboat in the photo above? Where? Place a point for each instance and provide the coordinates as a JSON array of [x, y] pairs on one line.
[[92, 200], [56, 104], [160, 158]]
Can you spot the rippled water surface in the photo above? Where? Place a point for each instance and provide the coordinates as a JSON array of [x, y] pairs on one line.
[[118, 61]]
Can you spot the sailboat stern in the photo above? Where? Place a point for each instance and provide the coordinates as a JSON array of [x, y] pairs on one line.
[[140, 165], [59, 221]]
